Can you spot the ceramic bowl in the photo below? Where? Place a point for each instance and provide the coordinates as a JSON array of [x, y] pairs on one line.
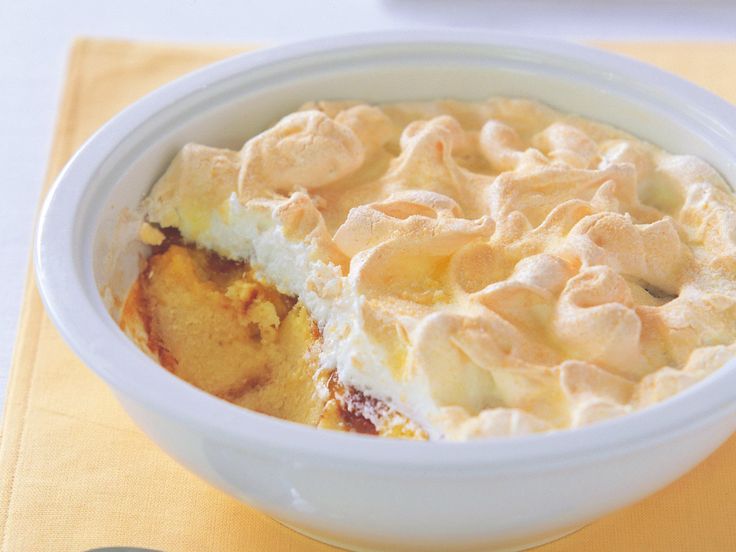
[[359, 492]]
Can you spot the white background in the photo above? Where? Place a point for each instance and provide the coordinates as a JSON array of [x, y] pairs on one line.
[[35, 36]]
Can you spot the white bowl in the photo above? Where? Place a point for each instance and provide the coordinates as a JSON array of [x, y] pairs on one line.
[[356, 491]]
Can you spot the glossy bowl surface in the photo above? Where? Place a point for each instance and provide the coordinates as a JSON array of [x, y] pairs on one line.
[[363, 492]]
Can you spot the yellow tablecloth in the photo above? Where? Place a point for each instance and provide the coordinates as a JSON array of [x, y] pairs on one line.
[[75, 473]]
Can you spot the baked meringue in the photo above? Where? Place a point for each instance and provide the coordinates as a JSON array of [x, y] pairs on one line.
[[474, 269]]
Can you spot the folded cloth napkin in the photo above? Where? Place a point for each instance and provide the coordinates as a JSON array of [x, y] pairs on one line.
[[76, 474]]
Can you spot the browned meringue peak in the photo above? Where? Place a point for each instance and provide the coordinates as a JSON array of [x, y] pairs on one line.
[[302, 221], [505, 150], [667, 381], [306, 149], [709, 216], [593, 394], [697, 318], [526, 305], [198, 181], [544, 271], [595, 321], [618, 151], [567, 145], [527, 117], [426, 163], [535, 193], [479, 361], [651, 254], [412, 217], [371, 125]]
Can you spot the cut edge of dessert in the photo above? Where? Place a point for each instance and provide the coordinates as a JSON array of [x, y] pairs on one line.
[[210, 321]]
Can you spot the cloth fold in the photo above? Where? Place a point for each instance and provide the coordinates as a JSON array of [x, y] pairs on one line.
[[76, 474]]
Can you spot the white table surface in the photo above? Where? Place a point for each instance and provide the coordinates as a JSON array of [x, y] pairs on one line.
[[35, 36]]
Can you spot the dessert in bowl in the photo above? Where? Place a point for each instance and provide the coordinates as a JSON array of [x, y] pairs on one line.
[[444, 270], [542, 485]]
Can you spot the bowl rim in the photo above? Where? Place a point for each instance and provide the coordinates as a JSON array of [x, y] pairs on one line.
[[74, 306]]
